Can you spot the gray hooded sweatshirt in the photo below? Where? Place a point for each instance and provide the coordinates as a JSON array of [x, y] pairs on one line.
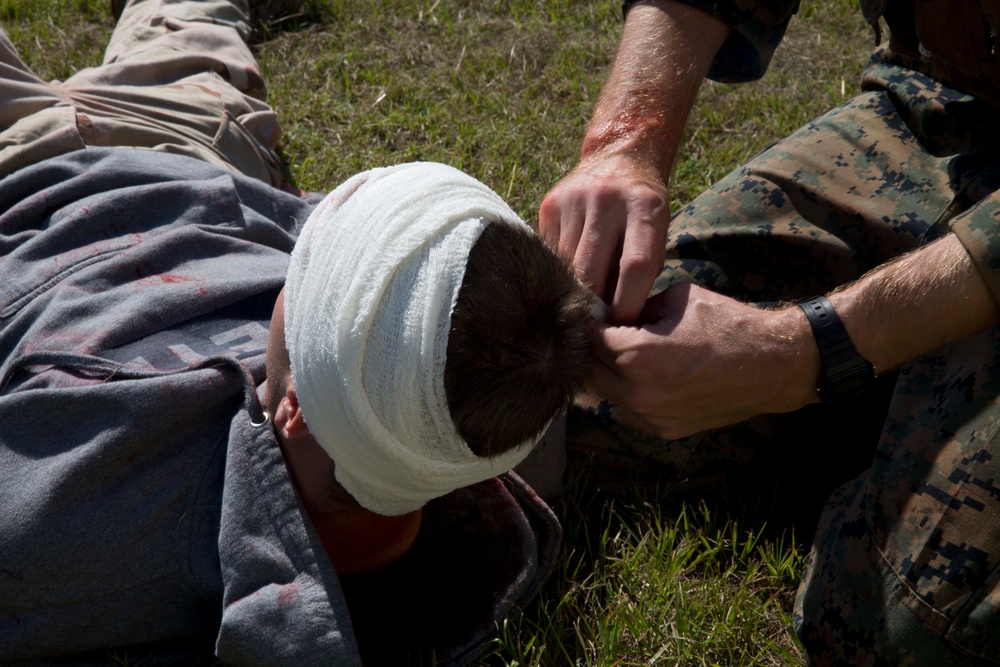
[[145, 508]]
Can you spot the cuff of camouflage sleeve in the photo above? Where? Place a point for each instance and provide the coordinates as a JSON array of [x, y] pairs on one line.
[[978, 229], [757, 29]]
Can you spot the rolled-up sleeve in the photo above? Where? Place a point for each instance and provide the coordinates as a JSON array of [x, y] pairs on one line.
[[758, 27], [978, 229]]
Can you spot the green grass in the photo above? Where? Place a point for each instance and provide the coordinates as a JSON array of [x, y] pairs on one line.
[[503, 90], [640, 585]]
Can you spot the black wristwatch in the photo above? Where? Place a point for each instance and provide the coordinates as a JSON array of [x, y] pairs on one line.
[[846, 374]]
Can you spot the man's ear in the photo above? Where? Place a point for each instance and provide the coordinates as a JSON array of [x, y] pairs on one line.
[[288, 418]]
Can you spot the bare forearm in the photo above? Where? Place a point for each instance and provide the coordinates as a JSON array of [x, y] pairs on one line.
[[921, 301], [665, 51]]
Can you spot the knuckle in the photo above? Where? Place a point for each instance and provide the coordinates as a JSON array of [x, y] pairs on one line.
[[640, 262], [629, 364], [605, 198], [548, 210], [649, 205], [654, 199]]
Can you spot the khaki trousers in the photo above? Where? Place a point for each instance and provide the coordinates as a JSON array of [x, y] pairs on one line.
[[177, 77]]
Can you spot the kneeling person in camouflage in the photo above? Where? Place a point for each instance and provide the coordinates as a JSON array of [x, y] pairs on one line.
[[888, 207]]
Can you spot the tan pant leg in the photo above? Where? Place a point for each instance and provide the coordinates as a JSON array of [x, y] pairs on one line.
[[36, 118], [21, 92], [177, 77], [143, 22]]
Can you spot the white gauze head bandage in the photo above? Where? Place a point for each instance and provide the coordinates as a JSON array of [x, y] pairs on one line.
[[370, 290]]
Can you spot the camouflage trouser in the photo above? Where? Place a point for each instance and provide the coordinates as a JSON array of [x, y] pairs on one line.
[[903, 569], [177, 77]]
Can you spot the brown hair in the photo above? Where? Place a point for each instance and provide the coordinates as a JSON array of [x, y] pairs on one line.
[[517, 349]]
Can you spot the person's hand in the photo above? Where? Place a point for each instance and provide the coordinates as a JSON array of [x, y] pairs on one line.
[[609, 218], [703, 360]]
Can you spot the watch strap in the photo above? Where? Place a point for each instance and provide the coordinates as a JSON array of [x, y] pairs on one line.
[[846, 374]]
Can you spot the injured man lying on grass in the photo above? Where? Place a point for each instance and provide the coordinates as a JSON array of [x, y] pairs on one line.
[[420, 346], [203, 460]]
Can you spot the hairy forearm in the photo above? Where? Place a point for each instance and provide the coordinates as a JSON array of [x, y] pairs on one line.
[[923, 300], [665, 50], [897, 312]]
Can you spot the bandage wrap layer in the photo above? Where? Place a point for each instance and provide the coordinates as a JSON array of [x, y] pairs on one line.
[[371, 287]]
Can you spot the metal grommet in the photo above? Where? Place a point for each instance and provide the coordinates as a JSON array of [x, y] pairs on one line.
[[264, 421]]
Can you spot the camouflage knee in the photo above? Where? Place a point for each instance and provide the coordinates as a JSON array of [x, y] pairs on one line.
[[905, 566]]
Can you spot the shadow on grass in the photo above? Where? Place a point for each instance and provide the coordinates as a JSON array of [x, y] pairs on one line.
[[700, 573]]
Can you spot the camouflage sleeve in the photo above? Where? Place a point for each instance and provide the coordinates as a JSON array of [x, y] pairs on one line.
[[758, 26], [978, 229]]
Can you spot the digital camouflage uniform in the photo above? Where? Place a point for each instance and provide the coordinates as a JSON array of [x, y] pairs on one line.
[[903, 569]]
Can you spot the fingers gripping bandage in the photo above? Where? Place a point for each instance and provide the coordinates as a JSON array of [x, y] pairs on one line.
[[371, 287]]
